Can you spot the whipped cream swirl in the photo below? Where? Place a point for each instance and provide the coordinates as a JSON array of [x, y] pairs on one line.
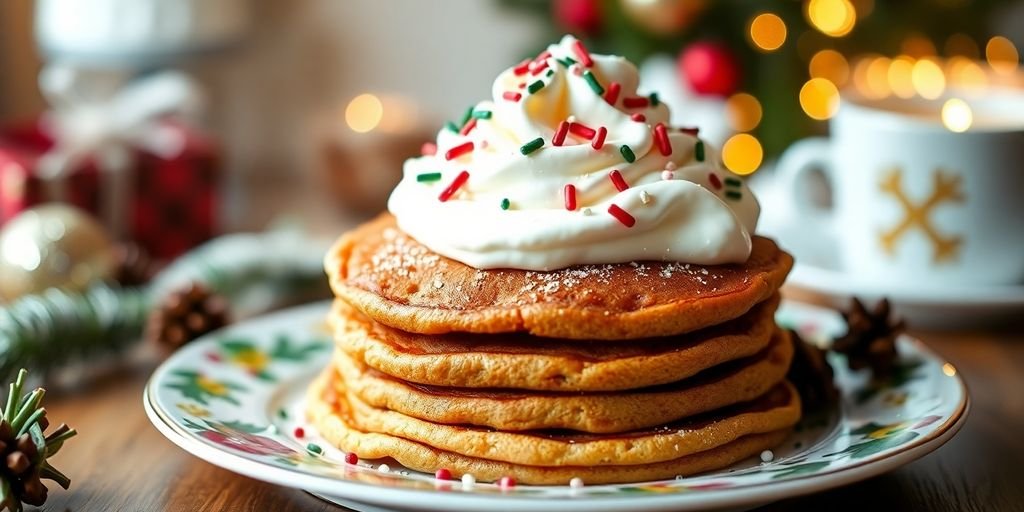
[[496, 193]]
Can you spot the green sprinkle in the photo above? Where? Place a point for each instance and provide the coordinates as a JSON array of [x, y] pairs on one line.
[[550, 72], [627, 153], [532, 146], [482, 114], [283, 414], [732, 194], [428, 176], [466, 116], [568, 61], [314, 448], [451, 126], [592, 81], [698, 151], [505, 204], [733, 182], [536, 86], [655, 101]]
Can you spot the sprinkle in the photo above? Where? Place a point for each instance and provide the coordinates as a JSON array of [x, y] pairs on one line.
[[732, 182], [283, 414], [559, 138], [314, 448], [511, 96], [550, 73], [621, 215], [468, 481], [458, 151], [598, 143], [483, 114], [670, 166], [692, 131], [715, 182], [506, 482], [568, 61], [667, 175], [451, 127], [543, 55], [698, 151], [593, 83], [522, 85], [351, 458], [645, 197], [443, 474], [384, 468], [451, 189], [576, 70], [299, 432], [767, 456], [428, 149], [466, 116], [505, 204], [581, 130], [661, 138], [638, 117], [635, 102], [539, 67], [732, 194], [655, 101], [569, 194], [581, 52], [587, 212], [627, 153], [576, 482], [535, 86], [532, 146], [522, 67], [613, 93], [468, 127], [618, 180], [438, 284]]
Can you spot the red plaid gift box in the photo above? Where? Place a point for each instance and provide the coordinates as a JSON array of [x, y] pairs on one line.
[[172, 200]]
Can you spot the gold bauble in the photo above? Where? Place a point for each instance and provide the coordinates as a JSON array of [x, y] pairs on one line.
[[663, 17], [53, 245]]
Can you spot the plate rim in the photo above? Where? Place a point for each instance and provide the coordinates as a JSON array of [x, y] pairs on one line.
[[759, 493]]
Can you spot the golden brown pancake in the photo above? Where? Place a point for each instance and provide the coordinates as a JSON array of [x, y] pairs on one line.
[[522, 361], [603, 412], [396, 281], [333, 416]]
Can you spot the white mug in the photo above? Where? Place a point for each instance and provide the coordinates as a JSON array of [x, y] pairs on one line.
[[914, 203]]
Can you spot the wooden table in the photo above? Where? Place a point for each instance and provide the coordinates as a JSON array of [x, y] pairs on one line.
[[120, 462]]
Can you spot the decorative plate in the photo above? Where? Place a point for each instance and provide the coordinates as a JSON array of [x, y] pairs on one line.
[[234, 399]]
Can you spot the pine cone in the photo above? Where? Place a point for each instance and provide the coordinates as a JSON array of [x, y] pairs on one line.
[[812, 375], [185, 315], [24, 450], [134, 267], [870, 340]]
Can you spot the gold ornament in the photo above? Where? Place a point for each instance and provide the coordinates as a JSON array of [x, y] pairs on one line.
[[663, 17], [53, 245]]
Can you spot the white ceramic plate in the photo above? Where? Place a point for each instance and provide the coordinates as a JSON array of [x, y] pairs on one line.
[[234, 399]]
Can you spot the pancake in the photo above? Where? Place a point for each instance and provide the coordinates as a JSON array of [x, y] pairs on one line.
[[521, 361], [332, 416], [398, 282], [606, 412]]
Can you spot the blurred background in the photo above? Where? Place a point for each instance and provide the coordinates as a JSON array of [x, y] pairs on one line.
[[169, 123]]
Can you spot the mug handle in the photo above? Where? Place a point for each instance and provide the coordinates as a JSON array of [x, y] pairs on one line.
[[791, 174]]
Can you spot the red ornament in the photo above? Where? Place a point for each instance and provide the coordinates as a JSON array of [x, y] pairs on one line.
[[351, 458], [443, 474], [578, 16], [710, 68]]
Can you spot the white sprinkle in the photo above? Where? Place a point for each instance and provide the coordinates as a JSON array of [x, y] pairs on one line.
[[576, 482], [468, 481], [571, 119], [767, 456], [667, 175], [384, 468], [587, 211], [438, 284], [645, 198], [670, 166], [679, 477]]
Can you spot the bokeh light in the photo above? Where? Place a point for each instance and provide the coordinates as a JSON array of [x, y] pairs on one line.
[[743, 112], [928, 79], [962, 45], [900, 76], [830, 65], [364, 113], [917, 46], [742, 153], [1002, 55], [835, 18], [819, 98], [878, 78], [966, 74], [767, 31], [957, 115]]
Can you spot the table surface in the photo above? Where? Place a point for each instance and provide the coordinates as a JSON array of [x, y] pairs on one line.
[[120, 462]]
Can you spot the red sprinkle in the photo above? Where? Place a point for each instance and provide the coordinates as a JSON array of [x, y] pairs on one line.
[[582, 130], [468, 128], [512, 96], [570, 197], [694, 131], [300, 432], [602, 132], [582, 53], [522, 85], [507, 482], [559, 138], [443, 474], [449, 191], [661, 139], [621, 215], [351, 458], [522, 67], [539, 67], [428, 149], [618, 180], [636, 102], [612, 94], [458, 151], [715, 182], [543, 56], [638, 117]]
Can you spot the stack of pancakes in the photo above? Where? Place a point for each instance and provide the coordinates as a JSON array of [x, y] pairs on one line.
[[609, 373]]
